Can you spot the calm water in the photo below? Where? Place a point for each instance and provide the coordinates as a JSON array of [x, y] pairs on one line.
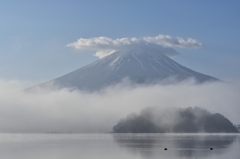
[[119, 146]]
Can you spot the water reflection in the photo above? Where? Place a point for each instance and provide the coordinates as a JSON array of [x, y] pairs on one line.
[[118, 146], [180, 145]]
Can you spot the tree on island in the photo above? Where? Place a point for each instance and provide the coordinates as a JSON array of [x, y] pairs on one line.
[[174, 120]]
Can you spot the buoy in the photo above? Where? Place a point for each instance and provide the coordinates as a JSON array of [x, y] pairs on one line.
[[165, 149], [211, 148]]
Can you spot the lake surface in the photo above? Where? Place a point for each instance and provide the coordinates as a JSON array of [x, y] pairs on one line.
[[119, 146]]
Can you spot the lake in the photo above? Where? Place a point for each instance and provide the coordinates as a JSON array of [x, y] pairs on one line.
[[119, 146]]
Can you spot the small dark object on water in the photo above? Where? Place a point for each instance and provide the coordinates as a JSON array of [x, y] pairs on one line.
[[211, 148], [165, 149]]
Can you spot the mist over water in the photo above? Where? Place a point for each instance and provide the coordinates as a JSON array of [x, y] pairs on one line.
[[119, 146], [81, 112]]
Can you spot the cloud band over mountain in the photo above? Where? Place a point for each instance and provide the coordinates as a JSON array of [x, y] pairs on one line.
[[105, 45]]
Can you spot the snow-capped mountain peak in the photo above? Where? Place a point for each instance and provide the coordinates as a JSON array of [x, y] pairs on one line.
[[140, 65]]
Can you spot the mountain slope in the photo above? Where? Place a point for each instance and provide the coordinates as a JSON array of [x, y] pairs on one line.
[[138, 64]]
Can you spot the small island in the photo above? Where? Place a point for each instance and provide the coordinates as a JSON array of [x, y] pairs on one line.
[[175, 120]]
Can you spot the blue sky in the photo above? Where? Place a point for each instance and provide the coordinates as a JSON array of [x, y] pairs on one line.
[[34, 34]]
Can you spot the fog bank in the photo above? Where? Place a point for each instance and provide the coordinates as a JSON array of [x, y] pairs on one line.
[[81, 112]]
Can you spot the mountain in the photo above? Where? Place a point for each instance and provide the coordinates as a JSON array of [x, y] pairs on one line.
[[140, 65], [175, 120]]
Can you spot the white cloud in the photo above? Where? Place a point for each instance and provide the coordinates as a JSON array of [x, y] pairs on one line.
[[105, 46], [102, 43], [76, 111], [104, 53], [169, 41]]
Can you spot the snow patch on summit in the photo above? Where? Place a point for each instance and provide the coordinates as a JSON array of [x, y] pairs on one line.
[[113, 62]]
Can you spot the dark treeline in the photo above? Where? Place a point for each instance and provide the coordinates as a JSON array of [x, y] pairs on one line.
[[174, 120]]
